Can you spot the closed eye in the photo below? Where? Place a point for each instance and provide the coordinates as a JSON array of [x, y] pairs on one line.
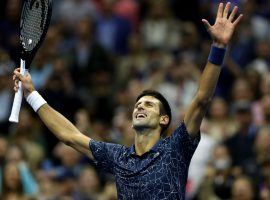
[[149, 104]]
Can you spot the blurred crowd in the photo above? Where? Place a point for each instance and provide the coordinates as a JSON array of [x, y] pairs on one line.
[[98, 56]]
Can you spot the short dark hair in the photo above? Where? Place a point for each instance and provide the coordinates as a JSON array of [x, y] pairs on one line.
[[165, 108]]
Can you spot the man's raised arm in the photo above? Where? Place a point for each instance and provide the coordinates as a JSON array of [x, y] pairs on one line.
[[62, 128], [221, 33]]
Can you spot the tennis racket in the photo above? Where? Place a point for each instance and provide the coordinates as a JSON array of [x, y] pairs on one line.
[[34, 23]]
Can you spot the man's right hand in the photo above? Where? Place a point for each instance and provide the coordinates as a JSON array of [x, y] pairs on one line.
[[26, 81], [61, 127]]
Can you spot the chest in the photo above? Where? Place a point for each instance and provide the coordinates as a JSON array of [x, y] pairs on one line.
[[158, 177], [150, 170]]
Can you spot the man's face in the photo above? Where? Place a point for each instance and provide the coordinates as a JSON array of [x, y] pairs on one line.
[[146, 113]]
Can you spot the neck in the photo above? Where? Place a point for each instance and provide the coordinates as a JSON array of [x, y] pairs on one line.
[[145, 140]]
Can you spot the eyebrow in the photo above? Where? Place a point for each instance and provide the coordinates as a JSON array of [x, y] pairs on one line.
[[150, 102], [147, 102]]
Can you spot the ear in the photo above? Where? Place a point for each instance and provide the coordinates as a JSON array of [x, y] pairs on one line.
[[164, 120]]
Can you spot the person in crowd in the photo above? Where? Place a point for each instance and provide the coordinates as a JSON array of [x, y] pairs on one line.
[[242, 189], [244, 136], [218, 179], [15, 182]]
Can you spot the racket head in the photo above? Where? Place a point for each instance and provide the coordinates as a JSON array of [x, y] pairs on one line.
[[34, 24]]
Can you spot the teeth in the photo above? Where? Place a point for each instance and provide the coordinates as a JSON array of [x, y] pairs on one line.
[[140, 115]]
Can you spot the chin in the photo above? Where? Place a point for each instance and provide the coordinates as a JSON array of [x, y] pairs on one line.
[[139, 126]]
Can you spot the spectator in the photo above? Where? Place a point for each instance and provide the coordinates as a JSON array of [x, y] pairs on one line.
[[17, 182], [199, 163], [5, 102], [262, 57], [244, 136], [134, 64], [254, 167], [89, 186], [219, 124], [160, 29], [218, 177], [72, 11], [242, 189], [241, 91], [28, 137], [112, 31], [128, 9]]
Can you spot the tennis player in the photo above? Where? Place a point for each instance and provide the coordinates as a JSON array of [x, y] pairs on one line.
[[153, 168]]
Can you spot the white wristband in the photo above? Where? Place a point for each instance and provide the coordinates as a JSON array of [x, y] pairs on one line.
[[35, 100]]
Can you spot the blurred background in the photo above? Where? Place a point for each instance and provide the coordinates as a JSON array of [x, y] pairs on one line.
[[98, 56]]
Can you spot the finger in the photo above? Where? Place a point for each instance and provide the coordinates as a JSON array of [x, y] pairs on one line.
[[15, 78], [27, 75], [16, 83], [17, 70], [234, 11], [226, 10], [237, 20], [16, 89], [18, 75], [220, 10], [206, 24]]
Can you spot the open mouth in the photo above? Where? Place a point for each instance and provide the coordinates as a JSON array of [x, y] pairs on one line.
[[141, 116]]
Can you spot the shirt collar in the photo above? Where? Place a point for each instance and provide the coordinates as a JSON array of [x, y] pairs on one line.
[[154, 149]]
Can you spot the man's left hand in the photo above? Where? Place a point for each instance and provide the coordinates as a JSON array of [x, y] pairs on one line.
[[222, 31]]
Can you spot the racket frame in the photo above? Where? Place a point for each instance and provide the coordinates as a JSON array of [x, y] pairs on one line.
[[25, 61]]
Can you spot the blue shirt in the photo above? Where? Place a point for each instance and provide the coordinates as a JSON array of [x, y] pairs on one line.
[[160, 173]]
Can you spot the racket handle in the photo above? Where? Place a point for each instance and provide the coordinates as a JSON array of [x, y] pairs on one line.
[[15, 111]]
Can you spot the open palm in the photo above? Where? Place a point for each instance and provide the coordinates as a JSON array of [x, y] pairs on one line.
[[221, 32]]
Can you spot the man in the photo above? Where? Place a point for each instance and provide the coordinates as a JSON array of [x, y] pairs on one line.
[[152, 168]]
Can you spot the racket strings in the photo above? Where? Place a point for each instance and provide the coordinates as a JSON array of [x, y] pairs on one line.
[[33, 22]]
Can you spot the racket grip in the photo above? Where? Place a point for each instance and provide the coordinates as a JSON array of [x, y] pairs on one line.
[[15, 111], [14, 116]]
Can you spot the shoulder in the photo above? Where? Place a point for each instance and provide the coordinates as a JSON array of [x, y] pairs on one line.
[[180, 135], [106, 148], [182, 131]]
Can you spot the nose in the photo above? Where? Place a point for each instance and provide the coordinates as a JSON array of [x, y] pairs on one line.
[[140, 107]]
